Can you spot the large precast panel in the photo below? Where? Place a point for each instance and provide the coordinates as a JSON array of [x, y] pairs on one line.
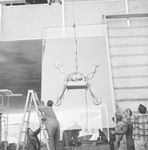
[[77, 48]]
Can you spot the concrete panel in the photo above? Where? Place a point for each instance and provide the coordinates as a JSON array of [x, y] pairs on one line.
[[130, 60], [136, 6], [0, 20], [128, 31], [27, 21], [91, 12], [31, 19], [128, 40], [90, 48], [128, 51], [129, 57], [139, 22], [130, 82], [117, 23], [123, 22], [136, 71], [131, 93]]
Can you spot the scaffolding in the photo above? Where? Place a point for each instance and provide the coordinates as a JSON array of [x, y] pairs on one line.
[[5, 94]]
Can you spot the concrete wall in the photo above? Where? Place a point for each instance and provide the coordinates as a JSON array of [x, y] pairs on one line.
[[27, 21], [129, 59]]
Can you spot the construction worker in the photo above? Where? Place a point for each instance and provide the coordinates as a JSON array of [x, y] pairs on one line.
[[33, 142], [53, 126], [140, 128], [70, 136]]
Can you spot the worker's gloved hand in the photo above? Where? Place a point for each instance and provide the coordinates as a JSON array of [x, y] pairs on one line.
[[43, 119]]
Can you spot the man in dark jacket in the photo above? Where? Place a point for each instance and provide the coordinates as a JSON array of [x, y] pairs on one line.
[[33, 142]]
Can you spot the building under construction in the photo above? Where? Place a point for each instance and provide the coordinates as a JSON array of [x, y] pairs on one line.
[[90, 57]]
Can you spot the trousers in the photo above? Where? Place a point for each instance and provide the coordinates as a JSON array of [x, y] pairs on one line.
[[141, 145], [53, 133]]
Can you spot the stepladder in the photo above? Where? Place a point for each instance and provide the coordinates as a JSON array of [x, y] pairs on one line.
[[32, 99]]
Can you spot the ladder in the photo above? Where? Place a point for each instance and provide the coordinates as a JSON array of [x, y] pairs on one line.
[[32, 98]]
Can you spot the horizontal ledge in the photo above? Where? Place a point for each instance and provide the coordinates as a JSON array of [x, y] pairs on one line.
[[128, 28], [131, 88], [132, 100], [128, 55], [129, 36], [130, 77], [130, 66], [125, 16], [128, 45], [74, 87]]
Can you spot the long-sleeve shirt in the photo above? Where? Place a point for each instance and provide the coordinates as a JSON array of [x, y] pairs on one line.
[[33, 142], [126, 129], [140, 126], [48, 112]]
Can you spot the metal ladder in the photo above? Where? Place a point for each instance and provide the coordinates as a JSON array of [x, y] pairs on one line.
[[32, 98]]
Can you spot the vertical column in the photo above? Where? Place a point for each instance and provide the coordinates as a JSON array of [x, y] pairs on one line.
[[127, 12], [63, 16], [0, 127], [104, 118], [0, 21]]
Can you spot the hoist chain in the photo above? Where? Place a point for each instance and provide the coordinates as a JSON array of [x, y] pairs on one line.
[[76, 49]]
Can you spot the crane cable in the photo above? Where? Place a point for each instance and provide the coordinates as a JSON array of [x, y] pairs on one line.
[[75, 39]]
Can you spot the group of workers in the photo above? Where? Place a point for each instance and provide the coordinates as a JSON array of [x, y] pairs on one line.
[[69, 138], [131, 129], [53, 129]]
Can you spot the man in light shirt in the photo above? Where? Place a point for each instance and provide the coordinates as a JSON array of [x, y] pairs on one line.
[[52, 125]]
